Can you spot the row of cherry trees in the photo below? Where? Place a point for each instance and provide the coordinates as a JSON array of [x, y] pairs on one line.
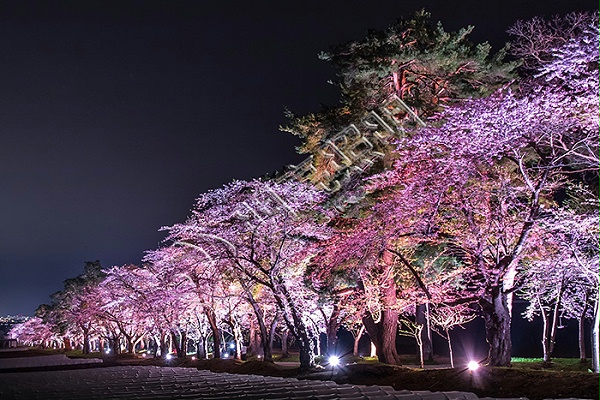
[[496, 196]]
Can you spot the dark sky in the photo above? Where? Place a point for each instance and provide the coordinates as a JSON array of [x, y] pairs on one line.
[[115, 116]]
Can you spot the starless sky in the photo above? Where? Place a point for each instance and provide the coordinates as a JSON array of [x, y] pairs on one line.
[[115, 116]]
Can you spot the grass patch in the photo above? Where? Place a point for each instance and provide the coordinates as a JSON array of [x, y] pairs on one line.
[[556, 364]]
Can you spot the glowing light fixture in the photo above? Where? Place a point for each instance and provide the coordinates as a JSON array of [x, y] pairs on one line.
[[169, 356], [107, 351], [232, 346], [473, 365], [225, 355], [193, 358], [334, 361]]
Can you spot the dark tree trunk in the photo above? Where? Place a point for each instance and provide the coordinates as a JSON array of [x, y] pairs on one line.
[[284, 343], [273, 330], [497, 328], [130, 345], [264, 334], [385, 332], [86, 341], [296, 325], [201, 351], [333, 325], [254, 339], [216, 332]]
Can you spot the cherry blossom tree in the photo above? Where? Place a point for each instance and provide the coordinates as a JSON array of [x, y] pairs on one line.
[[482, 179], [577, 234], [262, 232], [35, 332], [446, 317]]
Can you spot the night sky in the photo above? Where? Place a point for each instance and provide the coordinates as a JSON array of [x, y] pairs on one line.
[[115, 116]]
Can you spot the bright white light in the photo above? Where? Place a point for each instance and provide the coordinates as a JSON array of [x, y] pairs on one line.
[[232, 346], [169, 356], [473, 365], [225, 355], [259, 356], [144, 355], [334, 361], [193, 358], [107, 351]]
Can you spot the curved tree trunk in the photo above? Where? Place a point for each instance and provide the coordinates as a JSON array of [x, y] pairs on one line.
[[262, 328], [296, 326], [357, 340]]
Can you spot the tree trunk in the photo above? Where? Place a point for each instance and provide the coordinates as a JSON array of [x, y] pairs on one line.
[[333, 325], [216, 333], [357, 340], [284, 344], [450, 348], [296, 325], [422, 318], [545, 329], [596, 338], [264, 334], [163, 345], [86, 341], [384, 333], [201, 350], [497, 328], [272, 331], [581, 325], [254, 340]]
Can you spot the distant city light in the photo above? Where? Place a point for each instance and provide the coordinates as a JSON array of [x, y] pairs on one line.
[[334, 361], [473, 365]]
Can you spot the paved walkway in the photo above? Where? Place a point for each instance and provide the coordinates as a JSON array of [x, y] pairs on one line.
[[149, 382], [136, 382], [44, 361]]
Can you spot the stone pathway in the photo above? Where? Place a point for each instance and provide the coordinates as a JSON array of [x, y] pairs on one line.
[[44, 361], [149, 382], [137, 382]]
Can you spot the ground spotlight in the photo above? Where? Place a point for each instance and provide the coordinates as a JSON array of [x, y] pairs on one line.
[[334, 361], [473, 365]]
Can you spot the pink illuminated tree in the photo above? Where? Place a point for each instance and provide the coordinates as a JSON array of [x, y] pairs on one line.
[[576, 234], [482, 179], [260, 233]]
